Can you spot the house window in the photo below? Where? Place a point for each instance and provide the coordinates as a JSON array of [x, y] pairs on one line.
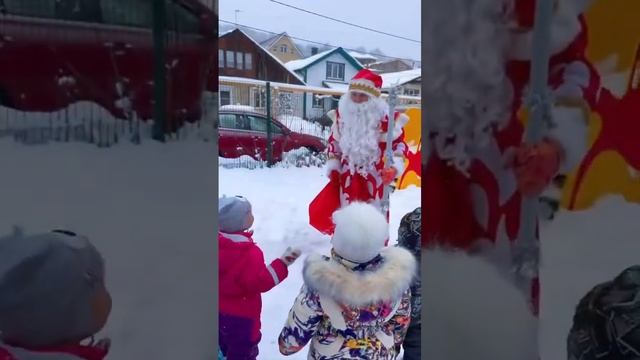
[[220, 58], [248, 64], [226, 94], [231, 59], [318, 101], [283, 49], [258, 98], [335, 71], [412, 92], [239, 61]]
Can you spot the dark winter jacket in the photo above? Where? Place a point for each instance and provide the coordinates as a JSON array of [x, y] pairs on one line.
[[409, 237]]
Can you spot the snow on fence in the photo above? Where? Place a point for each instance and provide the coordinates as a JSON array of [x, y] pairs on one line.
[[54, 90], [301, 109], [88, 122]]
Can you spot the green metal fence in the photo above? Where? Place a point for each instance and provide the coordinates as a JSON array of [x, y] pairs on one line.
[[107, 71]]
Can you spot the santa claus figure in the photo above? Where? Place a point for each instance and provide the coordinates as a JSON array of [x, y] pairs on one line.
[[477, 76], [357, 149]]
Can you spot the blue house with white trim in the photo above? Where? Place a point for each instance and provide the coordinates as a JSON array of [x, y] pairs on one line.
[[331, 69]]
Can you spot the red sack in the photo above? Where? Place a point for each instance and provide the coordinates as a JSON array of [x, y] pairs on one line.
[[324, 205]]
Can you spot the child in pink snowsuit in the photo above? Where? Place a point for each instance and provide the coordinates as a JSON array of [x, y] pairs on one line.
[[52, 297], [243, 278]]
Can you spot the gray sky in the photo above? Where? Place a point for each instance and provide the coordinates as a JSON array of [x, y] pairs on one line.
[[399, 17]]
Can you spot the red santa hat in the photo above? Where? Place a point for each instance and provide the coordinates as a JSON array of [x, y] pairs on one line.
[[367, 82]]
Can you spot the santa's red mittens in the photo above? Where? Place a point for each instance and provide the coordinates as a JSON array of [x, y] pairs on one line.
[[388, 175], [536, 165], [332, 166]]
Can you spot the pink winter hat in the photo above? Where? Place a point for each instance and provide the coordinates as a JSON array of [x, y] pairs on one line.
[[361, 232]]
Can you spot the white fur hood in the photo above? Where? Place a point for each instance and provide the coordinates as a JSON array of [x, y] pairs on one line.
[[388, 282]]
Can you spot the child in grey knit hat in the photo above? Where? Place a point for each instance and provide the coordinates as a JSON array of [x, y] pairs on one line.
[[243, 277], [234, 214], [52, 297]]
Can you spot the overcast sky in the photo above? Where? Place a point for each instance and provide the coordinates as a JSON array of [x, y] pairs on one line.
[[399, 17]]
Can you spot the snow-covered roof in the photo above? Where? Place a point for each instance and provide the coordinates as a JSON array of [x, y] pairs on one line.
[[226, 32], [296, 65], [274, 39], [400, 77], [388, 61], [271, 40], [359, 55], [269, 54], [303, 63]]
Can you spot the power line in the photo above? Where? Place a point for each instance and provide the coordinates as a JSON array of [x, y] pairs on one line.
[[318, 42], [345, 22]]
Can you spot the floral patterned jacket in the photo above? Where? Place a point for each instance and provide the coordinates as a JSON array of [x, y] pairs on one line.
[[351, 311]]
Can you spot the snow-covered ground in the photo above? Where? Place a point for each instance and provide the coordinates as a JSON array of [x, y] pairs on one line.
[[149, 209], [473, 305], [580, 250], [280, 197]]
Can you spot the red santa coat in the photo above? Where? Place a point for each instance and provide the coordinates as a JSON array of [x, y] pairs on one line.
[[346, 186], [462, 210]]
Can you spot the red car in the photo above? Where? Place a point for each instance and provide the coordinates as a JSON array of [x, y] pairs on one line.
[[245, 133], [57, 52]]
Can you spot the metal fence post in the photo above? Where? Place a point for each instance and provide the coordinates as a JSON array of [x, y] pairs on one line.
[[159, 70], [269, 130]]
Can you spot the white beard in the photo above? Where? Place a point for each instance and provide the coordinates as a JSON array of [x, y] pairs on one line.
[[468, 94], [359, 132]]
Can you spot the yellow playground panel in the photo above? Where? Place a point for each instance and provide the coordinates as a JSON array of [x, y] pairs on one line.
[[614, 49], [412, 132]]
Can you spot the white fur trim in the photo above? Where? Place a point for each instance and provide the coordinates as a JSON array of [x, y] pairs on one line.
[[361, 231], [571, 131], [398, 164], [333, 115], [576, 76], [398, 125], [332, 164], [471, 303], [387, 283]]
